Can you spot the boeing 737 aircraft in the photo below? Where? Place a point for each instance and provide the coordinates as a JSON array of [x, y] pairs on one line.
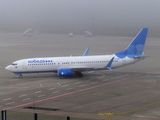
[[68, 66]]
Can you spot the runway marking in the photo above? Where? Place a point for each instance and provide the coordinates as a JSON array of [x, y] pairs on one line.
[[82, 85], [7, 99], [69, 89], [42, 95], [91, 72], [132, 110], [105, 79], [77, 82], [55, 92], [40, 84], [89, 79], [101, 77], [65, 85], [70, 93], [37, 92], [51, 88], [119, 76], [105, 114], [23, 95], [94, 83], [26, 99], [10, 103]]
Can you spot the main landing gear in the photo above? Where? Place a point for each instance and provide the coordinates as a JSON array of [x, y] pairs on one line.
[[20, 76], [78, 73]]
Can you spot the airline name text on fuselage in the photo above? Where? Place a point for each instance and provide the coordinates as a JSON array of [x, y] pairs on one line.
[[40, 61]]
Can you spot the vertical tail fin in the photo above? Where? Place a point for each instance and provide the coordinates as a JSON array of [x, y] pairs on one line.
[[136, 47]]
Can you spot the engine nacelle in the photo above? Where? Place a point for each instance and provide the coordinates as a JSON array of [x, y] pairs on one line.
[[65, 72]]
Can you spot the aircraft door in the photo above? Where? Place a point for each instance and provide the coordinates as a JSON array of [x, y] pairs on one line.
[[72, 63], [124, 61]]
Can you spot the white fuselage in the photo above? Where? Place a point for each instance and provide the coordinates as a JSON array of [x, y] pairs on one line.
[[80, 63]]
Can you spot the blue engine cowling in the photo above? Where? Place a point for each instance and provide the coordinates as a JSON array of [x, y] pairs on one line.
[[65, 72]]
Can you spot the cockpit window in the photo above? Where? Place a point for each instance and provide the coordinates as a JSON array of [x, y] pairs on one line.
[[14, 64]]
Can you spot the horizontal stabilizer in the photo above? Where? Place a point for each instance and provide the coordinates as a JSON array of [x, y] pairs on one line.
[[139, 57]]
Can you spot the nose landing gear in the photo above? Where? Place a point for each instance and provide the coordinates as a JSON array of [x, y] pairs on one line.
[[20, 76]]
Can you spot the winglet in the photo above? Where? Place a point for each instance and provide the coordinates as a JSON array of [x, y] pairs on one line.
[[86, 52], [109, 64]]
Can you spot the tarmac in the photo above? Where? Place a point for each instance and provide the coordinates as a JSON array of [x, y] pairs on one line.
[[128, 93]]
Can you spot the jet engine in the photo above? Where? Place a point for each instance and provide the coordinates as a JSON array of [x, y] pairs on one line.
[[65, 72]]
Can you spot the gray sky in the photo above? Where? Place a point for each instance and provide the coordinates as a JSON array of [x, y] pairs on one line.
[[63, 16]]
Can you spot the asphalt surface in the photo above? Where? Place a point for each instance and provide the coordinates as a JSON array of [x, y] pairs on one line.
[[128, 93]]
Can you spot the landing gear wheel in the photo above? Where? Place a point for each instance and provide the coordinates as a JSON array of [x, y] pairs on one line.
[[20, 76], [79, 74]]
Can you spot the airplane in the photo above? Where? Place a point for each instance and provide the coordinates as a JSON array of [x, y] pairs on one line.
[[70, 35], [28, 32], [88, 34], [75, 65]]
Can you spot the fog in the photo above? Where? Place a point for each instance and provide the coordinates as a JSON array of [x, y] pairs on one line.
[[102, 17]]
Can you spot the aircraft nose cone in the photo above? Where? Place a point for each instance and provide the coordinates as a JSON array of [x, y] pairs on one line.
[[9, 68]]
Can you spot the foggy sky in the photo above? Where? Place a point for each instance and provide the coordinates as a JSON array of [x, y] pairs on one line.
[[64, 16]]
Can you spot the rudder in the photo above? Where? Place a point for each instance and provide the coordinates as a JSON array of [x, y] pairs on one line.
[[136, 47]]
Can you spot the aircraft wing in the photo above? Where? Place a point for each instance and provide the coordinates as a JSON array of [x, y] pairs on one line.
[[88, 68]]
